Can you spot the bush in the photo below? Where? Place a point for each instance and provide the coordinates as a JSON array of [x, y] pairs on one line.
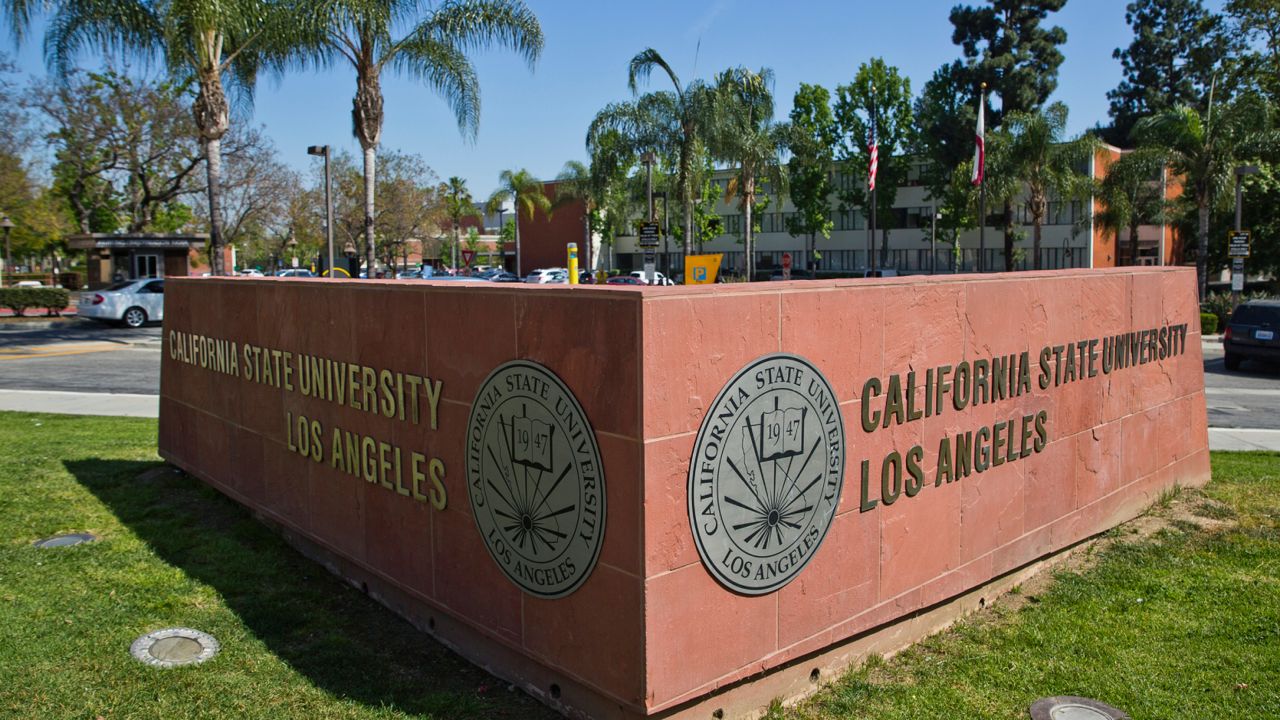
[[1208, 323], [19, 300]]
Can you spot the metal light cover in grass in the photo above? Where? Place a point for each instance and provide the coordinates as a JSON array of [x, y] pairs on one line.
[[173, 647], [66, 540], [1070, 707]]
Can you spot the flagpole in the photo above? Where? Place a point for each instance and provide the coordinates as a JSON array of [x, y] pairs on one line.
[[982, 198], [871, 228]]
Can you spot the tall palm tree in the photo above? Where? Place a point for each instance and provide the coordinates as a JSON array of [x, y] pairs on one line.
[[1132, 195], [668, 122], [524, 192], [601, 187], [220, 43], [1040, 158], [433, 51], [1204, 152], [744, 132], [457, 205]]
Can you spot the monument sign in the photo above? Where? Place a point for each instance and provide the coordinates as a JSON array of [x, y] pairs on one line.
[[684, 501]]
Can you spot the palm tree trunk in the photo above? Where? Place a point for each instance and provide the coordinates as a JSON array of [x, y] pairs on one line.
[[747, 200], [519, 270], [686, 196], [1036, 233], [213, 165], [1008, 236], [370, 178], [1202, 251]]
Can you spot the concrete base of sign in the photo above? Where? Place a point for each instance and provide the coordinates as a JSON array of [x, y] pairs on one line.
[[967, 428]]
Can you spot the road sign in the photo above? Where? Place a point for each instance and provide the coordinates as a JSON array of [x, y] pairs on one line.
[[649, 235], [1238, 244], [1237, 274], [467, 257], [701, 269]]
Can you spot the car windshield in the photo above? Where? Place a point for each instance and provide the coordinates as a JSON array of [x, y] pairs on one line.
[[1256, 315], [122, 286]]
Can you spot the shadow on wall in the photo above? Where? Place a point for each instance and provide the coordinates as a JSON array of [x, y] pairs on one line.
[[345, 643]]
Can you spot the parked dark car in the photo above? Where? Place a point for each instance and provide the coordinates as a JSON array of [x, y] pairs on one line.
[[1253, 333], [501, 276], [624, 280]]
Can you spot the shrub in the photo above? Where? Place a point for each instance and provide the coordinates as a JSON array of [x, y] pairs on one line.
[[19, 300], [1208, 323]]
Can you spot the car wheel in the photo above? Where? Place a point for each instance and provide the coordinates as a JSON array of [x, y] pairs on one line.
[[135, 317], [1232, 361]]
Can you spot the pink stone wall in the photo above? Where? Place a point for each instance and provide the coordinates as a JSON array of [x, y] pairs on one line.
[[651, 628], [1113, 442]]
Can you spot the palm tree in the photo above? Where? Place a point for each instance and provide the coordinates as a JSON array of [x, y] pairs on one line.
[[1132, 196], [213, 41], [1204, 152], [1040, 158], [524, 192], [433, 51], [601, 187], [670, 123], [457, 205], [743, 132]]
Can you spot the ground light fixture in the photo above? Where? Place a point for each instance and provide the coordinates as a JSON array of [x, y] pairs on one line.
[[174, 647], [1070, 707], [65, 540]]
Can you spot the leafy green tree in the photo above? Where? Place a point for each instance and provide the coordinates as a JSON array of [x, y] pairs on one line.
[[877, 85], [600, 187], [1046, 162], [433, 51], [670, 123], [1257, 22], [217, 43], [1177, 48], [744, 133], [1132, 195], [458, 205], [945, 114], [122, 145], [1204, 151], [811, 138], [1007, 47], [525, 193]]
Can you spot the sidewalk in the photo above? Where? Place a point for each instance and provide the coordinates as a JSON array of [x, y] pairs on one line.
[[126, 405]]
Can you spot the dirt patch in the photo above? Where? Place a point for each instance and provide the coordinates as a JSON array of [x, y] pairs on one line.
[[1178, 510]]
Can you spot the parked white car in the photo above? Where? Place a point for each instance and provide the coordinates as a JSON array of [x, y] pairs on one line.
[[543, 276], [134, 303], [657, 279]]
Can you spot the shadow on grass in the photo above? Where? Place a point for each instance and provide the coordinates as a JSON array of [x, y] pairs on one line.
[[343, 642]]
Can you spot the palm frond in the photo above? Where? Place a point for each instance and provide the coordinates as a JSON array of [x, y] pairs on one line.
[[118, 26], [642, 65], [482, 24], [446, 69]]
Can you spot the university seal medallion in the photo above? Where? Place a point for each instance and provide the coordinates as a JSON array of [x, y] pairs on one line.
[[766, 474], [535, 479]]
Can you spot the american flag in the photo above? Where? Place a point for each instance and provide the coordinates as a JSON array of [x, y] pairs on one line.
[[980, 148], [875, 163]]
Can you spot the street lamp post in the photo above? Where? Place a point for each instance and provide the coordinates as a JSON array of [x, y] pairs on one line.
[[933, 240], [323, 151], [7, 224], [1241, 171]]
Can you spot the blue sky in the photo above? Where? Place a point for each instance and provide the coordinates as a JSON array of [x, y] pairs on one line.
[[538, 120]]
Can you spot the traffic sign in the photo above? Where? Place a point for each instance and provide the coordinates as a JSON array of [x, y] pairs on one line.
[[649, 235], [1238, 244], [467, 257]]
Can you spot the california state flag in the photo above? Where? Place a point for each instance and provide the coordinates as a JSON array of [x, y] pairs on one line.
[[979, 148]]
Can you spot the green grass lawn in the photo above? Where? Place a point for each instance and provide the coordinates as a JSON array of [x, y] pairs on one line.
[[1182, 624]]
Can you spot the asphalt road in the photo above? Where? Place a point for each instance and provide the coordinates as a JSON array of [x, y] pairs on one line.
[[81, 356], [1246, 398], [85, 356]]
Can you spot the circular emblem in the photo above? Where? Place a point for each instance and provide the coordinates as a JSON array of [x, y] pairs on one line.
[[766, 474], [535, 479]]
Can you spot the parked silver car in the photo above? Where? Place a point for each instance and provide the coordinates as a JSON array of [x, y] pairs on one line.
[[134, 303]]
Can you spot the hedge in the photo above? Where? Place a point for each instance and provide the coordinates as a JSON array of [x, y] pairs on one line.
[[1208, 323], [21, 299]]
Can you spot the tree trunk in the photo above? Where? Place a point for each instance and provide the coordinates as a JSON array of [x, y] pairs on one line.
[[1008, 236], [212, 114], [370, 178], [1133, 242], [1202, 251], [686, 196], [213, 164], [519, 270], [884, 247], [1037, 231], [747, 197]]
